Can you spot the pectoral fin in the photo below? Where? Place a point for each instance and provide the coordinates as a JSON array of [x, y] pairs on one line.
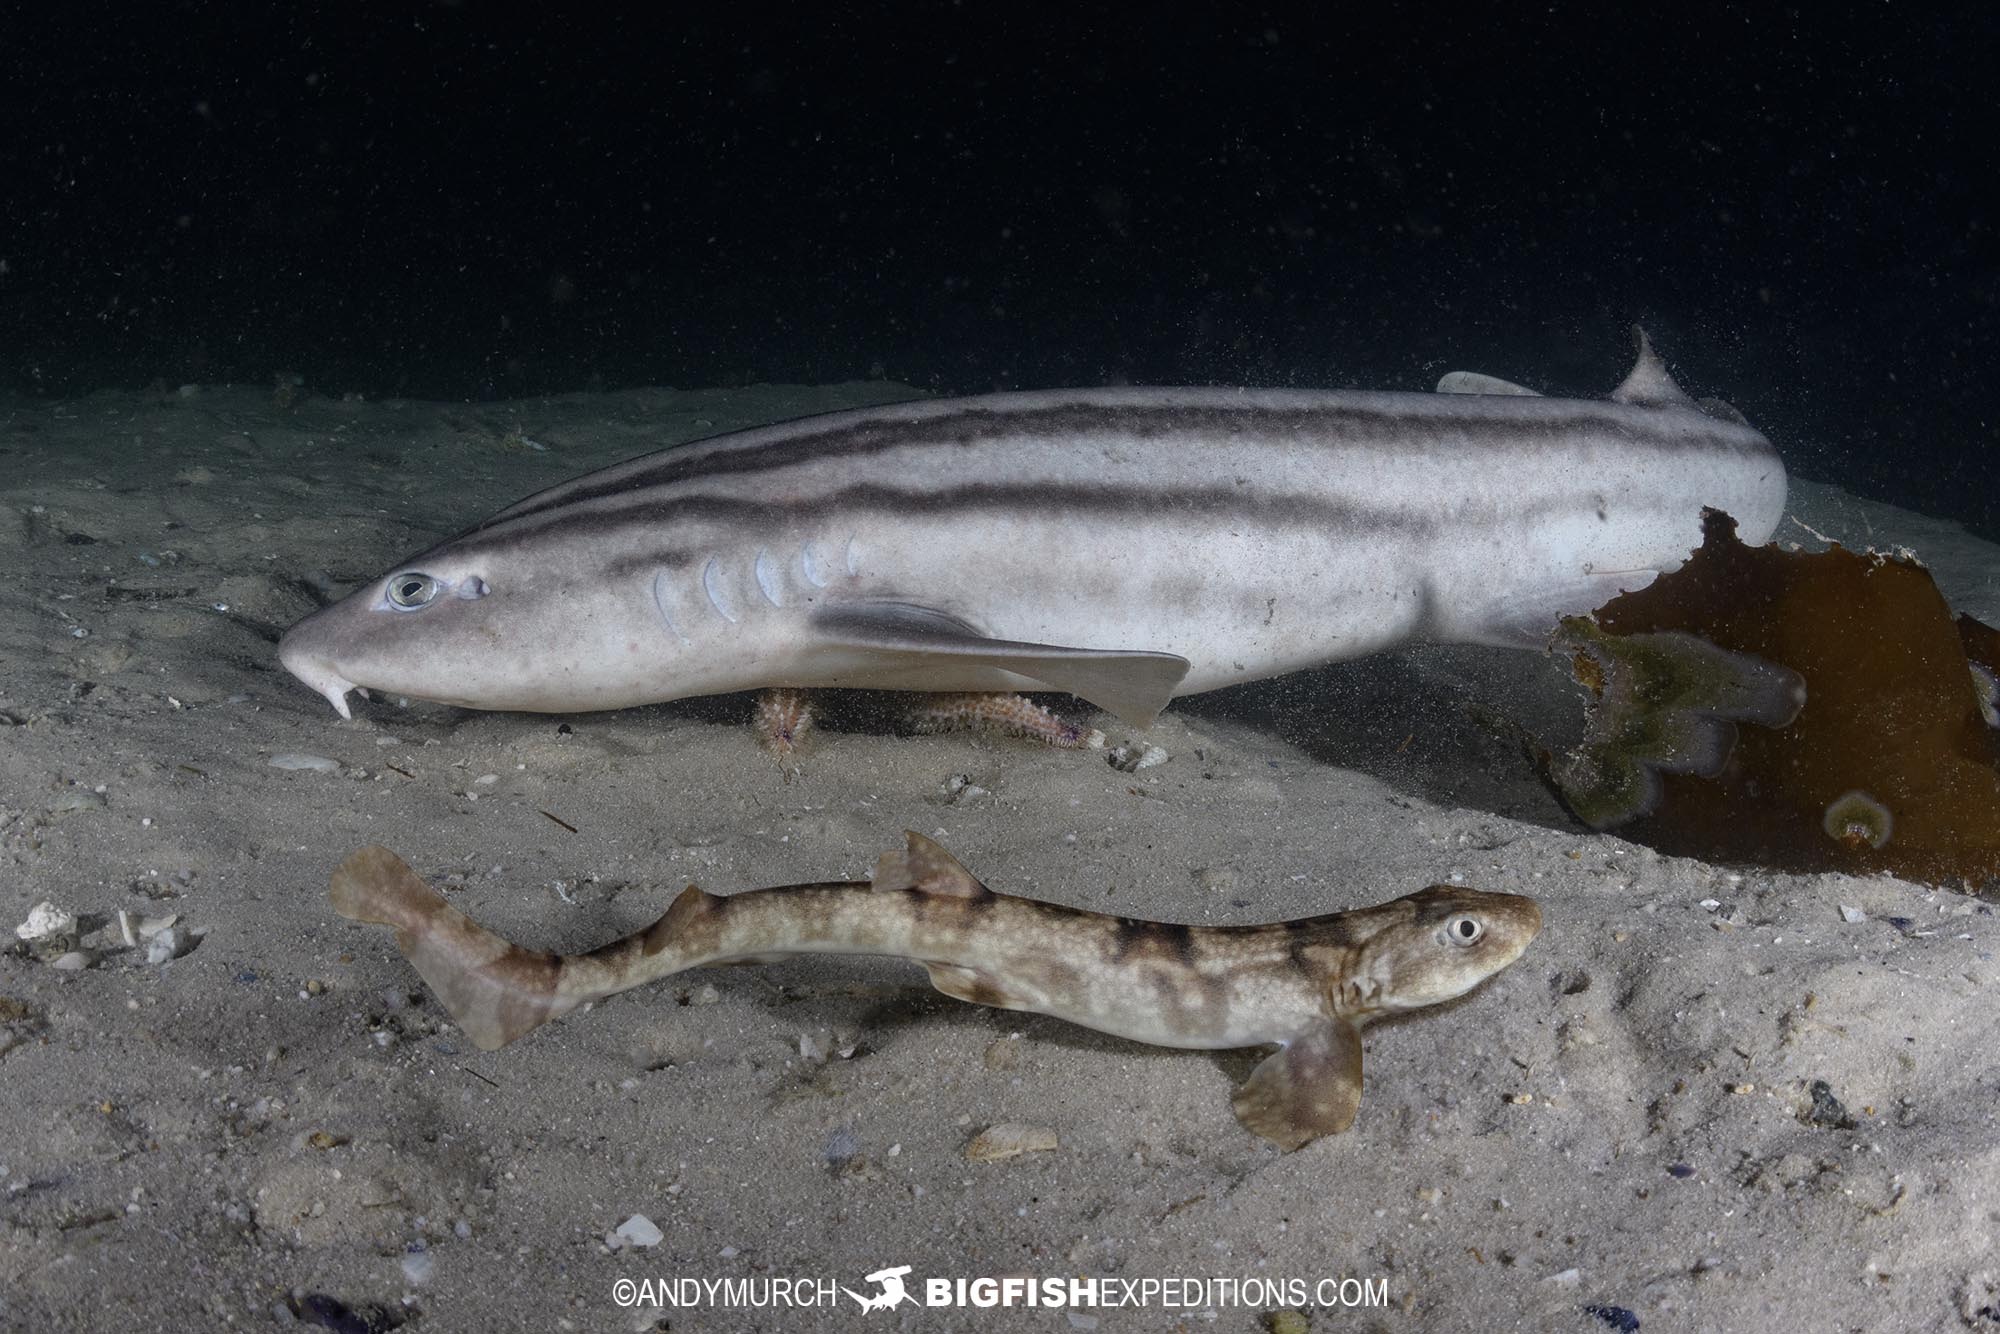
[[1309, 1087], [981, 988], [892, 640]]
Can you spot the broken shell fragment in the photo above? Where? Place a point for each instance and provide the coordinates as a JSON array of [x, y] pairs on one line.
[[1009, 1139], [49, 933]]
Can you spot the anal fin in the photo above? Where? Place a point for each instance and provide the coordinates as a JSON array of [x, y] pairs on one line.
[[1309, 1087]]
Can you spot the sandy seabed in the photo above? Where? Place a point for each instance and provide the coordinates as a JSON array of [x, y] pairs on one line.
[[278, 1126]]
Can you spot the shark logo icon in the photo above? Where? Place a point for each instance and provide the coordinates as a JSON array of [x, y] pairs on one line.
[[892, 1293]]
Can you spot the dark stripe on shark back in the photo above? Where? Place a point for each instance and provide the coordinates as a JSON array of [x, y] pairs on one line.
[[1335, 423], [847, 448], [1030, 499]]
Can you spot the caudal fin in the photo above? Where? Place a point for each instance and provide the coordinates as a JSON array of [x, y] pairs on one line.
[[495, 991]]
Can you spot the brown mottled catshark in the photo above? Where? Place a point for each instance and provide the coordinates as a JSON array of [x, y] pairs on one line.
[[1305, 985]]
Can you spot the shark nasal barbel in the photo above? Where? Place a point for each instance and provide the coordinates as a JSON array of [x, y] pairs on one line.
[[1122, 545], [1306, 985]]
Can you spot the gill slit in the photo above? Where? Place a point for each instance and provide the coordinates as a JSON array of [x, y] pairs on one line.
[[662, 592], [711, 584]]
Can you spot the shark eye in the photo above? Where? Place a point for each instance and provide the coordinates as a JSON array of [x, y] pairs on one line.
[[1465, 930], [411, 590]]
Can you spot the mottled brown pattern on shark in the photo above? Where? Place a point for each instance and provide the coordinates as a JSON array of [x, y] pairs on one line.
[[1303, 985], [1136, 938]]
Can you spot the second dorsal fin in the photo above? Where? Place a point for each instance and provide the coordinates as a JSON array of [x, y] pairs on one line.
[[924, 866], [1649, 385]]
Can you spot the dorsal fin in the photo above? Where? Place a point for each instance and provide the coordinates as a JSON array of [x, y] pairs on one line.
[[924, 866], [1476, 382], [1649, 385]]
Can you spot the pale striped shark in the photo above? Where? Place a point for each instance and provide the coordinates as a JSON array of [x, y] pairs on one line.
[[1123, 545], [1304, 985]]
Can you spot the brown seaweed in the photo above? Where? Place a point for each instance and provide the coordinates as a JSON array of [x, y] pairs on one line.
[[1667, 703], [1889, 764]]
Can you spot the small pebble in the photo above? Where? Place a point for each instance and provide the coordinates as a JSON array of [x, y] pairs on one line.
[[1850, 913], [417, 1267], [1130, 757], [1217, 879], [169, 943], [639, 1230], [841, 1146], [960, 787], [293, 760], [1828, 1110], [74, 799]]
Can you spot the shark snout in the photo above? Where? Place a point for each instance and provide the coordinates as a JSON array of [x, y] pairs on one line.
[[306, 654]]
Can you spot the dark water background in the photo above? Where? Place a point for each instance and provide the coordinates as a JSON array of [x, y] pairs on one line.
[[470, 201]]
